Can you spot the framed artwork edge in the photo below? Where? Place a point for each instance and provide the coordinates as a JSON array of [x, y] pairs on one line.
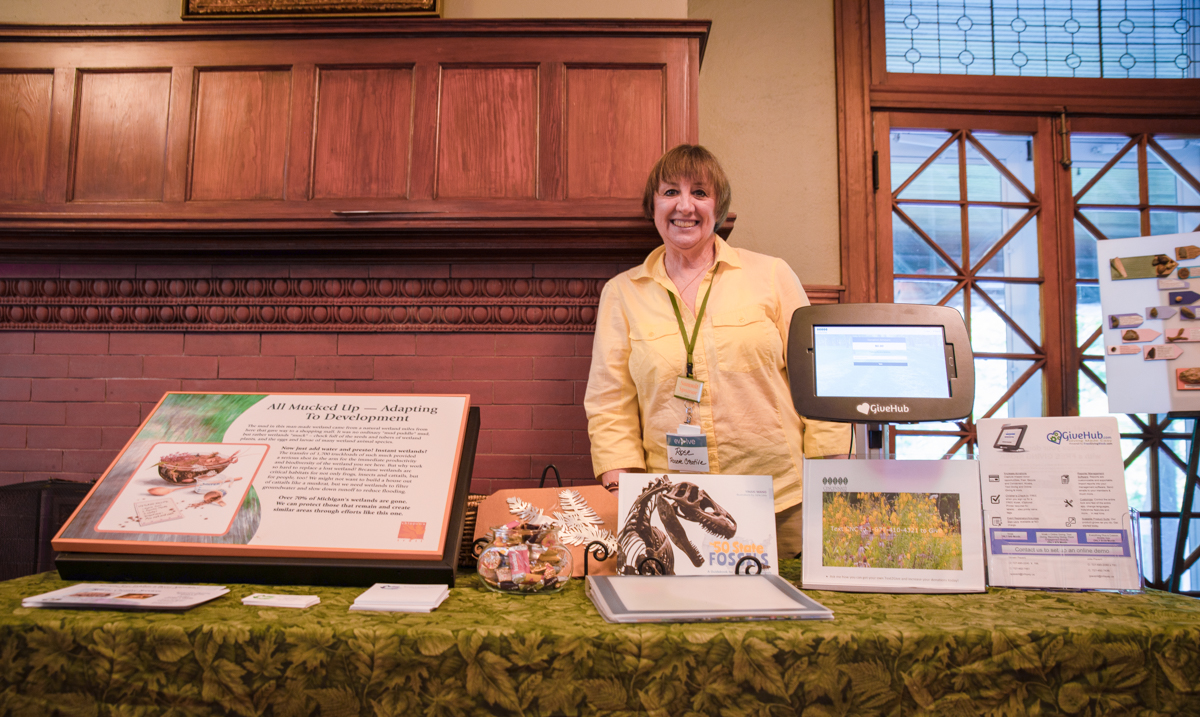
[[297, 9]]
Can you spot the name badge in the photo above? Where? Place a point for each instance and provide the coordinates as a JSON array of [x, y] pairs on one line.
[[689, 389], [687, 453]]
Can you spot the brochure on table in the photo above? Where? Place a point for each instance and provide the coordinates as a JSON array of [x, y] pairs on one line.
[[1149, 287], [892, 526], [127, 596], [1055, 506], [695, 524], [280, 475]]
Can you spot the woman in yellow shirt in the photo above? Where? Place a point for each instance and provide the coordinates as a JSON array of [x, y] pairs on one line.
[[736, 306]]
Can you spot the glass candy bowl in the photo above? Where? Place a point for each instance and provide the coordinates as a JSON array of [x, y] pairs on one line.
[[525, 560]]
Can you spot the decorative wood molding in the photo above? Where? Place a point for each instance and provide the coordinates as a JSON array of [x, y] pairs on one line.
[[310, 305]]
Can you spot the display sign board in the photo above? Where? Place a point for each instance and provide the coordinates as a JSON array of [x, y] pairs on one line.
[[283, 476], [892, 526], [1056, 513], [1153, 284]]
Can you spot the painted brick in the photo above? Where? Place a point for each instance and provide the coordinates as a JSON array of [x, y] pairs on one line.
[[561, 368], [70, 389], [257, 367], [374, 386], [582, 443], [506, 417], [529, 442], [121, 390], [103, 414], [13, 436], [64, 437], [179, 367], [571, 467], [480, 391], [331, 367], [29, 460], [72, 342], [491, 271], [413, 368], [221, 344], [490, 466], [328, 271], [411, 271], [105, 367], [16, 342], [456, 345], [114, 438], [23, 413], [10, 478], [29, 271], [299, 344], [492, 368], [584, 343], [571, 418], [97, 271], [297, 386], [580, 392], [146, 344], [94, 462], [174, 271], [15, 389], [580, 270], [249, 271], [34, 366], [376, 345], [533, 392], [514, 484], [535, 345], [245, 385], [481, 486]]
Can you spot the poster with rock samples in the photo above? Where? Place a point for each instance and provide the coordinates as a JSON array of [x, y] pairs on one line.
[[1150, 305], [280, 475]]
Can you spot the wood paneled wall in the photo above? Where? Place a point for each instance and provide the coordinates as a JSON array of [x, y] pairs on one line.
[[400, 128]]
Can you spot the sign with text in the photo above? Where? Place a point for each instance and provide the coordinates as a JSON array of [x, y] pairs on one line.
[[280, 475]]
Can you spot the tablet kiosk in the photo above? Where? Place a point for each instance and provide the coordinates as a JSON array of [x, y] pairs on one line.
[[880, 363]]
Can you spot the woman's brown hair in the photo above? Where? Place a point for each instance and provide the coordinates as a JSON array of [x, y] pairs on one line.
[[689, 161]]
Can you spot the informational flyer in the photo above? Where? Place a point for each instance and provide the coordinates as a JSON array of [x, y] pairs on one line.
[[695, 524], [1149, 289], [1055, 506], [286, 475], [892, 526]]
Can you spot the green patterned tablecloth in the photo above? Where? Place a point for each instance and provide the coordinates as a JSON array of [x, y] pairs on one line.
[[1005, 652]]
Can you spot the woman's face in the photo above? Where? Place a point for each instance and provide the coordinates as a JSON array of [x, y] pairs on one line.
[[685, 213]]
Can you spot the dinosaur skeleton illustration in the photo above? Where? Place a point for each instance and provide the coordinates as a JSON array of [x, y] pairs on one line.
[[638, 539]]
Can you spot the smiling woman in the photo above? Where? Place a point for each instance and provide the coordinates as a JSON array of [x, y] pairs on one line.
[[693, 340]]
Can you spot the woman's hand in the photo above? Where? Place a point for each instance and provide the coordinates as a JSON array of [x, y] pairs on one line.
[[611, 479]]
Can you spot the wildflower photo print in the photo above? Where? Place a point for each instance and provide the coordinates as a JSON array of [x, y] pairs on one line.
[[911, 531]]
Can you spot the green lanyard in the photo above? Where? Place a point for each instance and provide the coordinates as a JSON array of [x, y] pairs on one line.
[[691, 345]]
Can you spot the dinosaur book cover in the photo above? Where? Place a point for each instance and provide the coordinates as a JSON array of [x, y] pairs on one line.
[[688, 524]]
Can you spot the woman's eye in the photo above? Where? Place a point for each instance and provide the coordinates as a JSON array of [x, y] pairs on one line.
[[700, 193], [670, 192]]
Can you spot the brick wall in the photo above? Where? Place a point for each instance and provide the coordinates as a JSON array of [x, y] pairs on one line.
[[70, 400]]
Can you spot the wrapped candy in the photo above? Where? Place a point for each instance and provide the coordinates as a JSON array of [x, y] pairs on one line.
[[525, 558]]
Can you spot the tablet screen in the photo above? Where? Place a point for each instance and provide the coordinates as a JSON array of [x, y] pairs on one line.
[[881, 361]]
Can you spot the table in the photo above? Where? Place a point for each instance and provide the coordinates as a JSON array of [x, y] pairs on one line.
[[485, 653]]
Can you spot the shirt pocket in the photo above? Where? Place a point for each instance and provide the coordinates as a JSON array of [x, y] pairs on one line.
[[746, 340], [655, 352]]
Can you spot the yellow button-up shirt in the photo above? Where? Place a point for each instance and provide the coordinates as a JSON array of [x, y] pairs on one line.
[[746, 407]]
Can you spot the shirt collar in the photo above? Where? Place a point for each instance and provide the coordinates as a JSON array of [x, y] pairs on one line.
[[655, 268]]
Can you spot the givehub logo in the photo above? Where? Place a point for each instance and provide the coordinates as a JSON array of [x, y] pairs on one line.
[[1057, 437], [868, 408]]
